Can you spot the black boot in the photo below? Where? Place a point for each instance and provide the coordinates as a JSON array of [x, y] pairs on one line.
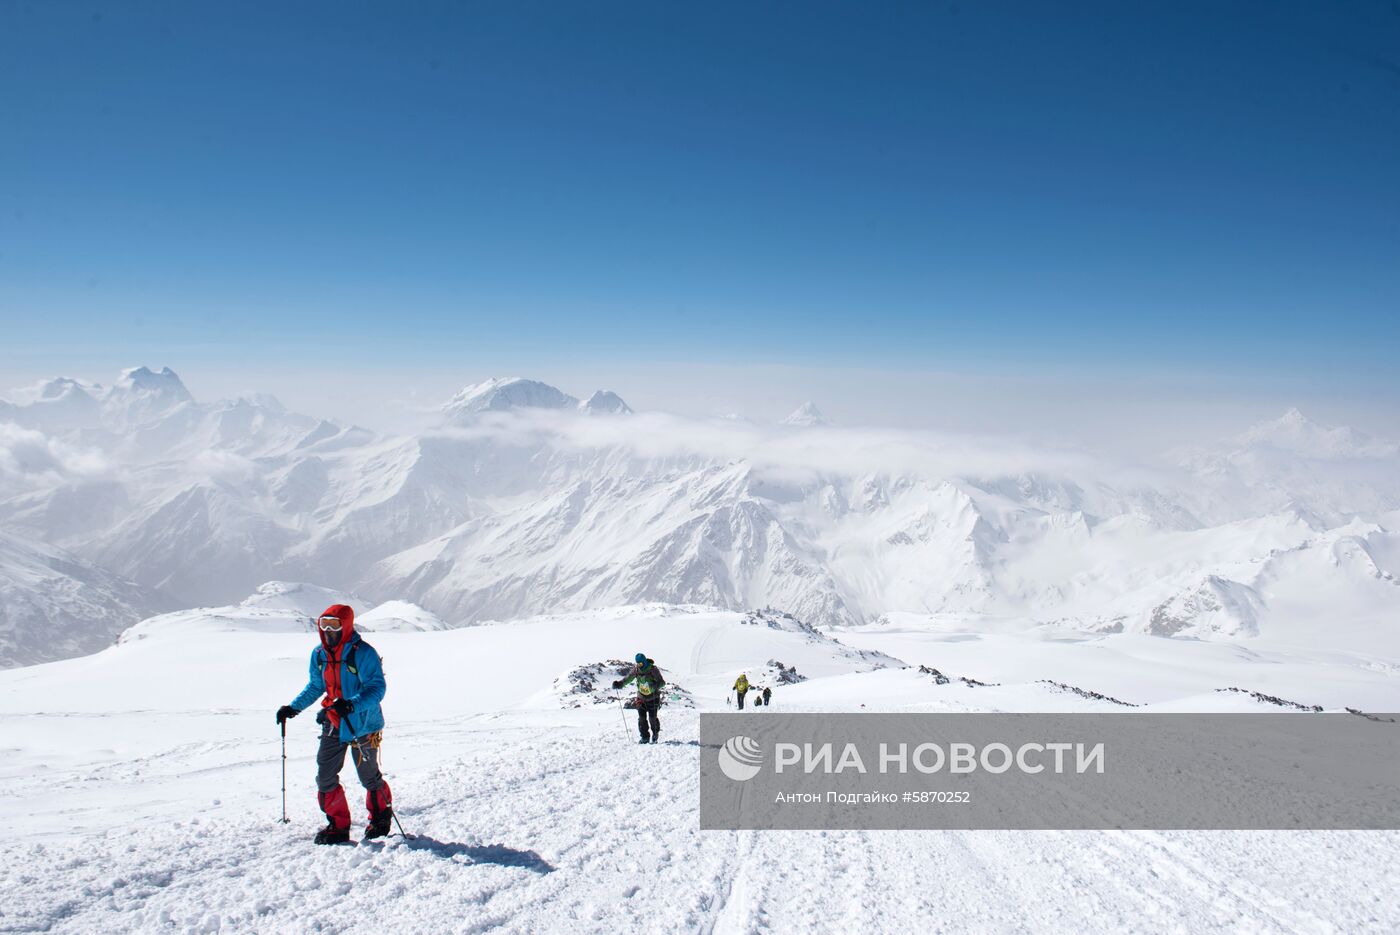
[[645, 739], [330, 834], [656, 737], [379, 823]]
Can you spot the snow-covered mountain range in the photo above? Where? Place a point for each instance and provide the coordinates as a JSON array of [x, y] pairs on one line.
[[524, 500]]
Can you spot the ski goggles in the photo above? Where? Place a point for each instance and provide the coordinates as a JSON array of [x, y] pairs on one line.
[[329, 623]]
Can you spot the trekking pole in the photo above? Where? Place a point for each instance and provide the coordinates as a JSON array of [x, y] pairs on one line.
[[285, 819], [393, 812], [622, 710]]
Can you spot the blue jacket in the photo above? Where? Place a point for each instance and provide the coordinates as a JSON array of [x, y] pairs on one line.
[[361, 683]]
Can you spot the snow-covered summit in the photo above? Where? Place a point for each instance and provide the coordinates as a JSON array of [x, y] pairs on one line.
[[164, 382], [307, 600], [1295, 433], [141, 394], [806, 414], [52, 389], [398, 617], [605, 402], [62, 404], [1294, 464], [504, 393], [163, 388], [59, 404], [262, 401]]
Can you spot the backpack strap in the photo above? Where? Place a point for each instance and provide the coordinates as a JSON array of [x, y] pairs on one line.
[[319, 654]]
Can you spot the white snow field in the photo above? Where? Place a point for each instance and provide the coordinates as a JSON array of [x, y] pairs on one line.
[[140, 786]]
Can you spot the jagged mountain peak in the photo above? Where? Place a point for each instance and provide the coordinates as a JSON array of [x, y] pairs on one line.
[[53, 389], [146, 380], [57, 405], [260, 401], [1291, 423], [59, 387], [605, 402], [806, 414], [505, 393], [1296, 433], [142, 395]]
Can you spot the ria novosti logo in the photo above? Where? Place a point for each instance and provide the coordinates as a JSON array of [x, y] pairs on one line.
[[740, 758]]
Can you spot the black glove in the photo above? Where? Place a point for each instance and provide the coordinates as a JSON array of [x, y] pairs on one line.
[[617, 683], [286, 712], [343, 707]]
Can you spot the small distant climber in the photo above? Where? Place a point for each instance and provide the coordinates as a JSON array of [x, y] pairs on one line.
[[741, 688], [650, 682], [348, 677], [767, 696]]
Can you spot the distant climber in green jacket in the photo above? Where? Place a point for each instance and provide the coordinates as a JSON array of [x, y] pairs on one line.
[[650, 682], [741, 688]]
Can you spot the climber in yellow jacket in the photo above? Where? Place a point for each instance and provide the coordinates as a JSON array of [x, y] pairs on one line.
[[741, 688]]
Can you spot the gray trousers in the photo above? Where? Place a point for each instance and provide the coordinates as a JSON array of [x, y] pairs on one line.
[[330, 758]]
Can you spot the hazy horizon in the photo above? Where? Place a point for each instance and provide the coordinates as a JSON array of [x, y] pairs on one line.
[[1124, 417]]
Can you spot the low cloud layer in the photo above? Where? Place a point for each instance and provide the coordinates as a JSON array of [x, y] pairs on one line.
[[798, 453], [30, 458]]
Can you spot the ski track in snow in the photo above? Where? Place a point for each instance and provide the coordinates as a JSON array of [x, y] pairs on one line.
[[531, 828]]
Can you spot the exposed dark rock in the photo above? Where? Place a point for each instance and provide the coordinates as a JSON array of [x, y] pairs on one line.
[[1085, 693], [1274, 700], [942, 679]]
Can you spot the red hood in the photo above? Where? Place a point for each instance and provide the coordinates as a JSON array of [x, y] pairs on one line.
[[347, 624]]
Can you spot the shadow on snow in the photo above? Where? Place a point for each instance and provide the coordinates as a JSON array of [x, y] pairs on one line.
[[497, 854]]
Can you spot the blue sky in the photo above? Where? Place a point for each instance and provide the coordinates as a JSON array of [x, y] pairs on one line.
[[1188, 190]]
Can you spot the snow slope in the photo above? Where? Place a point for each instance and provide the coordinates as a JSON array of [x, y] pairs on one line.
[[54, 605], [393, 616], [140, 788], [282, 607]]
